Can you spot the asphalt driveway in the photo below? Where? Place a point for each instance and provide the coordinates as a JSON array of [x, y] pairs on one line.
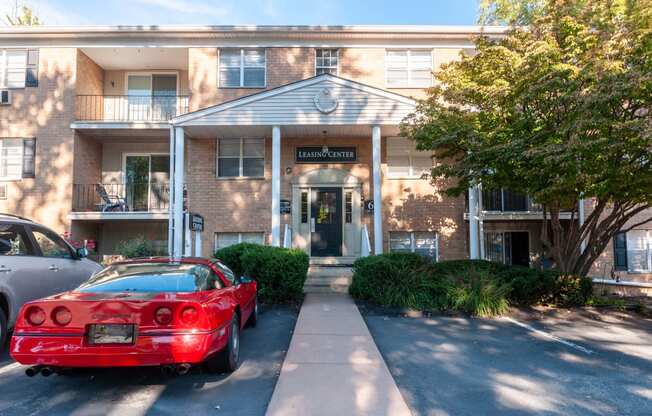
[[558, 364], [145, 391]]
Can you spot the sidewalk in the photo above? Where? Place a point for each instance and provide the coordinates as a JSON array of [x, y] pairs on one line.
[[333, 366]]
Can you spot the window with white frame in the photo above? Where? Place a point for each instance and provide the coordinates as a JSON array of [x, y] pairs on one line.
[[242, 68], [326, 61], [240, 158], [405, 161], [13, 66], [409, 68], [424, 243], [16, 158], [228, 239], [633, 251]]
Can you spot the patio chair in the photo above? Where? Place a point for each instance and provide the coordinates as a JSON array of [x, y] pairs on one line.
[[110, 203]]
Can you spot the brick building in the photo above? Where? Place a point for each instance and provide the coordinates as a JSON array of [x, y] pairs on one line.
[[279, 135]]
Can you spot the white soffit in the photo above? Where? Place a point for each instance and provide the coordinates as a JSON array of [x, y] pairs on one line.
[[139, 58]]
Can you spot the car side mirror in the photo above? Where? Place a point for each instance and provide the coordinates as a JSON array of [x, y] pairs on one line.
[[82, 252], [245, 279]]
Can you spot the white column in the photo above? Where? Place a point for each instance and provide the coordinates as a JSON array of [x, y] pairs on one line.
[[581, 214], [187, 236], [474, 247], [197, 244], [378, 200], [276, 186], [178, 191], [171, 196]]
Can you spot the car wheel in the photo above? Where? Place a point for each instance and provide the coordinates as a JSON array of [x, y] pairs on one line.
[[227, 360], [4, 330], [253, 318]]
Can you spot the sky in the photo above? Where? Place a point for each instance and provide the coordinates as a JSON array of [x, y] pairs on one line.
[[259, 12]]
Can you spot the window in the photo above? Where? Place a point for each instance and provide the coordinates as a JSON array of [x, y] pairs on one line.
[[503, 200], [304, 207], [228, 239], [405, 161], [633, 251], [14, 241], [242, 68], [52, 245], [409, 68], [348, 207], [240, 158], [421, 242], [17, 158], [31, 72], [326, 61]]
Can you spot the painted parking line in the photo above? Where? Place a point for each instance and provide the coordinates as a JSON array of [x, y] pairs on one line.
[[549, 336]]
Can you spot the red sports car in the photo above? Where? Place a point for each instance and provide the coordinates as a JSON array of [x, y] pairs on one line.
[[160, 311]]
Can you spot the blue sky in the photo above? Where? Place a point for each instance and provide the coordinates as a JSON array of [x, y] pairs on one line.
[[147, 12]]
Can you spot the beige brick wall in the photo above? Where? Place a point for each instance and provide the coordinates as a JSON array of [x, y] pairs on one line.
[[45, 113]]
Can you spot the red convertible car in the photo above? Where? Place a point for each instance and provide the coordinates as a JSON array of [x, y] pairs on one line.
[[150, 312]]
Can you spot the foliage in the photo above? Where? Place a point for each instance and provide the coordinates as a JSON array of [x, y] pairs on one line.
[[27, 18], [280, 273], [558, 111], [137, 247], [477, 287], [512, 12]]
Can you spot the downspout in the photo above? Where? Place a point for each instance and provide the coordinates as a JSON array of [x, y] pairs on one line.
[[580, 213]]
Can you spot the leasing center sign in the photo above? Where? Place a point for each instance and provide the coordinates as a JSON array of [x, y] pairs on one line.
[[315, 154]]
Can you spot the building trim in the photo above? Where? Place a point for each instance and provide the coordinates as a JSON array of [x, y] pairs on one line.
[[118, 216], [138, 125]]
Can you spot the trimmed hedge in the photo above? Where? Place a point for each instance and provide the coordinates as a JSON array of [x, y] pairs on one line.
[[280, 272], [477, 287]]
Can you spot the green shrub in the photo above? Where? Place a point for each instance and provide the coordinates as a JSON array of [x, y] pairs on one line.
[[280, 272], [137, 247]]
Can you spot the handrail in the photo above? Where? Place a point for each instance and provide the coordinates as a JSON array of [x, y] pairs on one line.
[[121, 197], [287, 236], [365, 244], [128, 108]]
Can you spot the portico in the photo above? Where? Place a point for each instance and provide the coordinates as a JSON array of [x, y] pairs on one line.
[[325, 206]]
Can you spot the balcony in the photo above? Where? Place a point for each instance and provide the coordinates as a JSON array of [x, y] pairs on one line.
[[121, 201], [129, 108], [502, 204]]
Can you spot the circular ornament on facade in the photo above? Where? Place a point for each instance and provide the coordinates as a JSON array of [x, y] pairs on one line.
[[326, 101]]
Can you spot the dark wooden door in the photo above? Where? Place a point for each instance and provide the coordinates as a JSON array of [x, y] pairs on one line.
[[326, 222]]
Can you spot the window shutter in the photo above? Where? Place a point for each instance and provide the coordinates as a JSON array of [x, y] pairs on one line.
[[620, 252], [31, 71], [29, 154]]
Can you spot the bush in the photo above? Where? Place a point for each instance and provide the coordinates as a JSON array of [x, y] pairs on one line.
[[280, 272], [137, 247], [477, 287]]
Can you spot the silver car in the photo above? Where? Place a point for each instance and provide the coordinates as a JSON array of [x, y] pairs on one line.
[[35, 262]]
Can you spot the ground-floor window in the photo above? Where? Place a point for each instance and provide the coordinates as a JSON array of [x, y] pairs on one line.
[[228, 239], [420, 242], [633, 251], [507, 247]]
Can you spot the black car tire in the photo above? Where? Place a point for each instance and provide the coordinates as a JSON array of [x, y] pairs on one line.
[[253, 318], [227, 360], [4, 329]]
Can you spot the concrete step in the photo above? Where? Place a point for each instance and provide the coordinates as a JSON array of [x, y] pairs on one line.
[[326, 289], [332, 260], [324, 281], [328, 279], [329, 271]]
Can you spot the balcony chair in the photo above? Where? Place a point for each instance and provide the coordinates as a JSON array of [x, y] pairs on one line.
[[110, 203]]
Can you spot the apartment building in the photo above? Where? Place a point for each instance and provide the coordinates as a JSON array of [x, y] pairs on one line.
[[278, 135]]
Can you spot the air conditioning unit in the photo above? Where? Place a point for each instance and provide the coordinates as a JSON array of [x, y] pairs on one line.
[[5, 97]]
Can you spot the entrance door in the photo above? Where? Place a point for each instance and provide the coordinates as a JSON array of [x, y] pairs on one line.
[[326, 222], [520, 248]]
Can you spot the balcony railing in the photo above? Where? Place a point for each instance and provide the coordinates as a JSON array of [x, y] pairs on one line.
[[503, 200], [121, 197], [128, 108]]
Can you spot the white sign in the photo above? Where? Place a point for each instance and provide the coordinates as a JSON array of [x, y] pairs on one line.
[[326, 101]]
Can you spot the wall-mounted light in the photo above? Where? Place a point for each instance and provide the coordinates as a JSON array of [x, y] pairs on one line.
[[113, 84], [288, 170]]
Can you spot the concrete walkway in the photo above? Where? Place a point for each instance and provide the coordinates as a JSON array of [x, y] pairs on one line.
[[333, 366]]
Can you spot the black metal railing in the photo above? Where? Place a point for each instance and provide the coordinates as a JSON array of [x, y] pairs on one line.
[[121, 197], [129, 107], [503, 200]]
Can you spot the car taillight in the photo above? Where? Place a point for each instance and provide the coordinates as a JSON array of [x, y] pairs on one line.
[[61, 315], [35, 315], [189, 315], [163, 316]]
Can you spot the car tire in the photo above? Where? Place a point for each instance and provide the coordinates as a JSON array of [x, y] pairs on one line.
[[227, 360], [4, 329], [253, 318]]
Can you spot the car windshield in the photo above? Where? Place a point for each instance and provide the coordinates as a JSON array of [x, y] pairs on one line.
[[152, 277]]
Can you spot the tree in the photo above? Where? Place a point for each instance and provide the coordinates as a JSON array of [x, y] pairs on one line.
[[559, 110], [27, 18]]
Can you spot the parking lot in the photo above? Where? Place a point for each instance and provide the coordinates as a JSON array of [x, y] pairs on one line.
[[145, 391], [562, 364]]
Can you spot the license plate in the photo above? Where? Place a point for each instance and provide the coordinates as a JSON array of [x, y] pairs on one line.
[[111, 334]]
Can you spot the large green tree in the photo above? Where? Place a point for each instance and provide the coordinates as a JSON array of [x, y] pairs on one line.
[[559, 110]]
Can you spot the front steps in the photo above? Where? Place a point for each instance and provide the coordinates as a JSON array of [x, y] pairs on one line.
[[328, 278]]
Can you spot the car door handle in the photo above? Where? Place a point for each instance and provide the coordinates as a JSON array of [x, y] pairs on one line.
[[53, 268], [4, 269]]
